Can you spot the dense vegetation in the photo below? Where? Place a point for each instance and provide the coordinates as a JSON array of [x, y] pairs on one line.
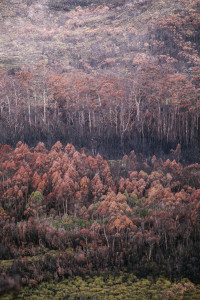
[[122, 286], [67, 213], [82, 84]]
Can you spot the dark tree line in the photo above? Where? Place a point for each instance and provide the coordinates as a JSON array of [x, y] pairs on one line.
[[151, 111]]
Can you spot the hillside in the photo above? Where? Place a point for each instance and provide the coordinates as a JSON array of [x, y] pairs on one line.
[[109, 37]]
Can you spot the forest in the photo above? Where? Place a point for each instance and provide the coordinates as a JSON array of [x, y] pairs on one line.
[[108, 115], [99, 149], [65, 213]]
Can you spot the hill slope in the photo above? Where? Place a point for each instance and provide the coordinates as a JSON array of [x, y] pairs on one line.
[[98, 36]]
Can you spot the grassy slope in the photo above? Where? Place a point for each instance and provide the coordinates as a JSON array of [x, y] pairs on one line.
[[107, 38]]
